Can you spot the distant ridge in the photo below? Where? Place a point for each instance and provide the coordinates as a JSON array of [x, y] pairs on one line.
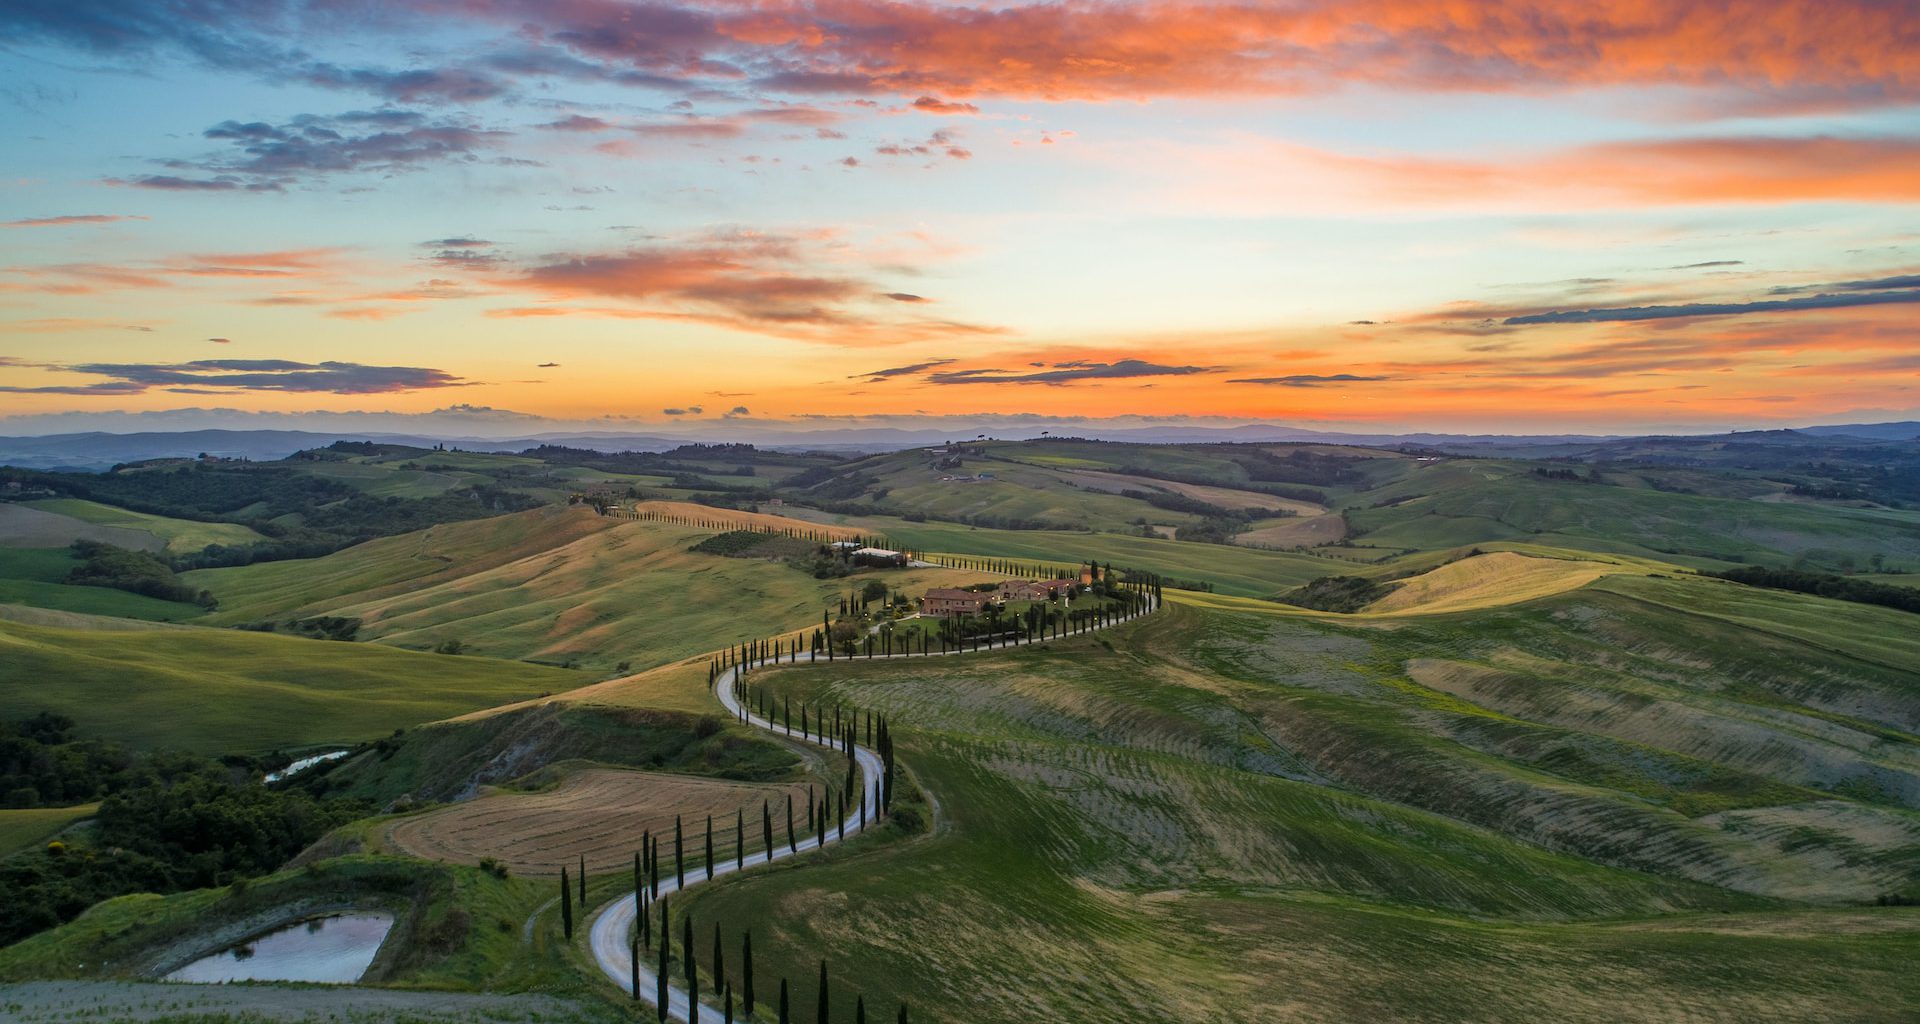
[[96, 451]]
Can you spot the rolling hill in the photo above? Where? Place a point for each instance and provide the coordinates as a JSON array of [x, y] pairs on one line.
[[229, 691], [1632, 797], [555, 585]]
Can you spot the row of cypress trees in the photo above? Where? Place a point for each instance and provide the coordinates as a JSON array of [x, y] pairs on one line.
[[647, 860]]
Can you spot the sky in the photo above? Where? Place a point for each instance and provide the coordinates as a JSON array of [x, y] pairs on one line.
[[1517, 216]]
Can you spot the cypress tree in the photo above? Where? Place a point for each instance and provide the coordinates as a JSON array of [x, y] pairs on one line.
[[729, 1017], [679, 860], [790, 844], [583, 881], [635, 956], [709, 846], [766, 826], [566, 905], [660, 977], [810, 822], [653, 864], [903, 1013], [785, 1018], [821, 1016], [719, 967], [639, 885], [859, 1010], [746, 973], [686, 948], [739, 838]]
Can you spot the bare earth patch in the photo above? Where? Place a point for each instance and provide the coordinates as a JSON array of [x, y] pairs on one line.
[[598, 813]]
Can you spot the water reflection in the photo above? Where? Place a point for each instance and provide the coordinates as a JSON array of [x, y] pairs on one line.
[[334, 949]]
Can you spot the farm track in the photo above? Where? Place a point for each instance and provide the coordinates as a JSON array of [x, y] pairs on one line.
[[613, 922]]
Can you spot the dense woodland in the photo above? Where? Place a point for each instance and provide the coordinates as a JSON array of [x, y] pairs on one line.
[[167, 822]]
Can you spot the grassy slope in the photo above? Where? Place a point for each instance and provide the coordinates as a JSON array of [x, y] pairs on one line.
[[1469, 502], [227, 690], [1231, 570], [552, 585], [33, 576], [179, 534], [21, 828], [1126, 840]]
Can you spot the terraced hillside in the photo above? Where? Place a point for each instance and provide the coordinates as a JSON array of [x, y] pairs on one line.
[[1637, 798]]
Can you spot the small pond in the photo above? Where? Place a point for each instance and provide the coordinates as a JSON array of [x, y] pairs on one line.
[[334, 949]]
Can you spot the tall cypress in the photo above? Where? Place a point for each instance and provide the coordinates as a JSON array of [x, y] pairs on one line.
[[566, 904], [686, 948], [679, 859], [639, 885], [729, 1017], [709, 846], [660, 977], [821, 1016], [810, 822], [746, 973], [719, 967], [739, 838], [634, 952], [790, 842], [653, 865], [766, 826], [903, 1013], [859, 1010], [785, 1018], [583, 881]]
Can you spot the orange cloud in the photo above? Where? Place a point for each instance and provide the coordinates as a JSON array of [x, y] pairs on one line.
[[779, 285], [1108, 50]]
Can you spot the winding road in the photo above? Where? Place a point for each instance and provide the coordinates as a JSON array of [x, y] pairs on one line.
[[613, 923]]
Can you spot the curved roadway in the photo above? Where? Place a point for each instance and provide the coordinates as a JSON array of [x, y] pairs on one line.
[[613, 924]]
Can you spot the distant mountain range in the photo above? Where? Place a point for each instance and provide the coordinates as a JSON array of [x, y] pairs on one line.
[[100, 450]]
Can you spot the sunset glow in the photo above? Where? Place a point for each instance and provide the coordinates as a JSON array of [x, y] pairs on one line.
[[1521, 216]]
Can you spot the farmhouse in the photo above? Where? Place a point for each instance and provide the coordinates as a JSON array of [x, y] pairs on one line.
[[878, 557], [1035, 590], [946, 602]]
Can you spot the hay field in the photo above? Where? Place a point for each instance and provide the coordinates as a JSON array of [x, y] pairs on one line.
[[1224, 497], [1484, 581], [598, 813], [1307, 531]]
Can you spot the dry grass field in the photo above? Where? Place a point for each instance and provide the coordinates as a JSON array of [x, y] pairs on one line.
[[1485, 581], [1225, 497], [1306, 531], [598, 813]]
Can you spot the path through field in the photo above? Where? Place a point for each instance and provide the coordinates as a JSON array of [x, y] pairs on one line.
[[613, 923]]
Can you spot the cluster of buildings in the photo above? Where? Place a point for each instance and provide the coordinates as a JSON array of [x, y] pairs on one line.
[[948, 602]]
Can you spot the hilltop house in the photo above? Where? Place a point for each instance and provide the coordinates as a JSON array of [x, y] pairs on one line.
[[1035, 590], [880, 557], [947, 602]]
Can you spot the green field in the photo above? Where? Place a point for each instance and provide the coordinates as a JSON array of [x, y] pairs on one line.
[[25, 827], [1243, 814], [35, 577], [1458, 503], [181, 535], [228, 691], [563, 586]]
